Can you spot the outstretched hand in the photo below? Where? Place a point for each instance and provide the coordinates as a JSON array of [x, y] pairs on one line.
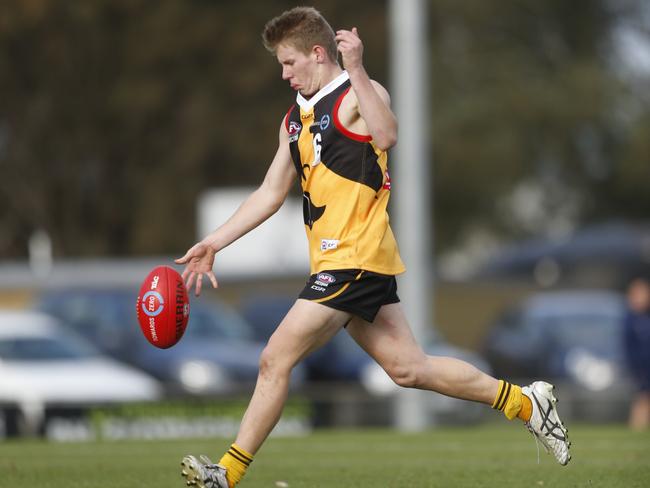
[[351, 48], [198, 261]]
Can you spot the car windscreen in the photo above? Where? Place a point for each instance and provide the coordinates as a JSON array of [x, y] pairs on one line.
[[217, 322], [103, 314], [592, 331], [43, 349]]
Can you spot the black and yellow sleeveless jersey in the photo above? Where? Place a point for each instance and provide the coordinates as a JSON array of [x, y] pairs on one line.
[[345, 185]]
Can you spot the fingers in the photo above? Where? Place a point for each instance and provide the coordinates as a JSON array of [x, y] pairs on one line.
[[190, 279], [184, 259], [199, 282], [349, 44], [343, 34], [184, 274], [213, 279], [198, 261], [199, 285], [194, 278]]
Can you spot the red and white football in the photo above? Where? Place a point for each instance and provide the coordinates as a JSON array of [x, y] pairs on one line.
[[163, 307]]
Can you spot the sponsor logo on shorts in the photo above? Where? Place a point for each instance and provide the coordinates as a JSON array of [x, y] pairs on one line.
[[322, 281], [326, 278], [328, 244]]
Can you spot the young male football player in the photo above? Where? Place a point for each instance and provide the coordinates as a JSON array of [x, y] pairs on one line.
[[335, 139]]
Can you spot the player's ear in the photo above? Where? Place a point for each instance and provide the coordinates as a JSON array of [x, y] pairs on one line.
[[319, 54]]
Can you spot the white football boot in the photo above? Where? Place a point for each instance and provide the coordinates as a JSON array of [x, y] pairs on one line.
[[203, 473], [545, 424]]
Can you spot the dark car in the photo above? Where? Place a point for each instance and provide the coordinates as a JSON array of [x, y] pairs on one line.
[[572, 338], [608, 254], [217, 354]]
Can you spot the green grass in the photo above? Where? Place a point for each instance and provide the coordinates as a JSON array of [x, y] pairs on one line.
[[486, 456]]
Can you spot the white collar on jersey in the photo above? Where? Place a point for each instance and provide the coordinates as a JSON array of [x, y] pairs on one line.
[[326, 90]]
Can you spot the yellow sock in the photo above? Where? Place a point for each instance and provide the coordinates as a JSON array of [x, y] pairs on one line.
[[526, 409], [510, 401], [236, 461]]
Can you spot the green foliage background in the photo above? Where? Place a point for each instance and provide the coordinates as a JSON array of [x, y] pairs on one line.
[[116, 114]]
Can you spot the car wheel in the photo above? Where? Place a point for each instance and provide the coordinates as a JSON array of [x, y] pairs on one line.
[[14, 422]]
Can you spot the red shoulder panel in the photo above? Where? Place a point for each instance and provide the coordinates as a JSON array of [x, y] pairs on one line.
[[339, 125]]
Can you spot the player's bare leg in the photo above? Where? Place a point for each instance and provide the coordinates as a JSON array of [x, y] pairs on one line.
[[306, 327], [390, 342]]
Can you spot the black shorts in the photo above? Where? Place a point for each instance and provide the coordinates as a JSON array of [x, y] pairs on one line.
[[356, 291]]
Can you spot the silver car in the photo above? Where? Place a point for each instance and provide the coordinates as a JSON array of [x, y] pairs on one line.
[[44, 367]]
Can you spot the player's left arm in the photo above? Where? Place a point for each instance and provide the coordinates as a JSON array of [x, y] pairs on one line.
[[372, 98]]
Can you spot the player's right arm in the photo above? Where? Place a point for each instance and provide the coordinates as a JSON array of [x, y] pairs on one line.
[[258, 207]]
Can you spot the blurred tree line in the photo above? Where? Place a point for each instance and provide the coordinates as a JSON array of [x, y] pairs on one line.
[[116, 114]]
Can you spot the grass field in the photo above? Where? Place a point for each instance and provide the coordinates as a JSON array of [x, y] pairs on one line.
[[485, 456]]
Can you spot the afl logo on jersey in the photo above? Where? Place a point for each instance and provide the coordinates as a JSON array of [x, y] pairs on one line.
[[294, 130], [294, 127]]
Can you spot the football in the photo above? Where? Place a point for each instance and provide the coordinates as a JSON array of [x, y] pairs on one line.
[[162, 307]]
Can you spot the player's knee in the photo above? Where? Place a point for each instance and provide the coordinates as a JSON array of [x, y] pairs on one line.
[[272, 364], [404, 375]]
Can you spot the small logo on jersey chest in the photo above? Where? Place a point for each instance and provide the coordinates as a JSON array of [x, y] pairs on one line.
[[321, 125], [324, 122], [329, 244]]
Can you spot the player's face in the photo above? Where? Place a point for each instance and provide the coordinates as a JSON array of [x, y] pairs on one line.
[[299, 69]]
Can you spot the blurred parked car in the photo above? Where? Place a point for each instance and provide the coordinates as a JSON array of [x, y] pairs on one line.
[[342, 361], [217, 354], [571, 337], [608, 254], [44, 367]]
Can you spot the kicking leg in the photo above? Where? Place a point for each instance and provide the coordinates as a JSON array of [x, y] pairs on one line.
[[390, 342]]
